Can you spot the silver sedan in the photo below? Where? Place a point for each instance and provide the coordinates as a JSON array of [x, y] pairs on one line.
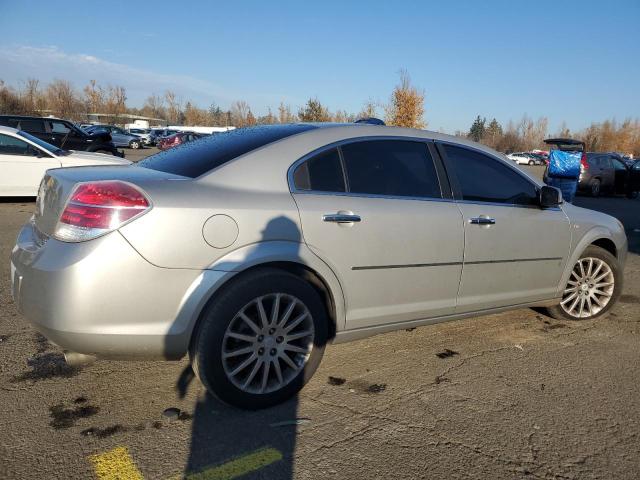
[[251, 249]]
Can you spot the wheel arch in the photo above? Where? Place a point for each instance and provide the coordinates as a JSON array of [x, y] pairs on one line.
[[290, 257], [598, 236]]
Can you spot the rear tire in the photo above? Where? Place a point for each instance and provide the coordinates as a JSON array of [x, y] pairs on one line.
[[607, 271], [531, 162], [594, 187], [234, 322]]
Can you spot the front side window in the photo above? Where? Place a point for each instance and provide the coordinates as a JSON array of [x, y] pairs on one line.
[[14, 146], [618, 165], [391, 167], [484, 179], [59, 127], [322, 173]]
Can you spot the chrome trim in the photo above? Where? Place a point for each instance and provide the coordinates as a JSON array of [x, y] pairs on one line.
[[373, 195], [341, 218], [449, 264], [482, 221], [410, 265]]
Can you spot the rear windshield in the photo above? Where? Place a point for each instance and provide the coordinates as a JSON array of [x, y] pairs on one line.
[[193, 159]]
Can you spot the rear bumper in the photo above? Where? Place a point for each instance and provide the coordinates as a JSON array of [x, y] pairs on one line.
[[102, 298]]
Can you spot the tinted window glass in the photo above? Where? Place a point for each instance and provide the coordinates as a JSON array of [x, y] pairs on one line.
[[322, 173], [59, 127], [391, 167], [13, 146], [33, 126], [618, 165], [194, 159], [483, 179]]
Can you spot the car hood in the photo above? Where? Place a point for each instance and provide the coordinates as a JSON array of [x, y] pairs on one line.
[[76, 159]]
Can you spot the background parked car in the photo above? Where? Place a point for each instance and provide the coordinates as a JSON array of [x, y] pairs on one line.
[[522, 158], [143, 133], [24, 159], [119, 137], [177, 139], [62, 134], [605, 172]]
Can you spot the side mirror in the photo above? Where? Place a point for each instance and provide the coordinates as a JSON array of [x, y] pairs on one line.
[[36, 152], [549, 197]]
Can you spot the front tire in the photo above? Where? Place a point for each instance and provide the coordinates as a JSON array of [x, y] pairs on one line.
[[134, 144], [531, 162], [593, 287], [260, 339]]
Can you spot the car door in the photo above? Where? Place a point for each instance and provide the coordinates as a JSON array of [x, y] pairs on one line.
[[515, 251], [634, 177], [22, 166], [621, 176], [606, 173], [373, 210]]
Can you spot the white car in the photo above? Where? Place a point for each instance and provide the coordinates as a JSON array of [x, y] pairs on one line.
[[24, 159], [521, 158], [143, 133]]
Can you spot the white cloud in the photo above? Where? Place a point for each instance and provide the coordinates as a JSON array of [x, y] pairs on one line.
[[50, 62]]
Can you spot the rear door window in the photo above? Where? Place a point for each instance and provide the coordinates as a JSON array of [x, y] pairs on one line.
[[322, 173], [396, 168]]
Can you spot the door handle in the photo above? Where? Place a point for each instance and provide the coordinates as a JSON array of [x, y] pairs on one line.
[[482, 221], [340, 218]]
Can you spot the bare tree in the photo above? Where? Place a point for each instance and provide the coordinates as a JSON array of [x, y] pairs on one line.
[[62, 100], [285, 115], [94, 97], [239, 112], [174, 109], [406, 107], [369, 109]]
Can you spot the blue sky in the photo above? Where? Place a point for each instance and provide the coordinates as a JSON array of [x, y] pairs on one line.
[[575, 61]]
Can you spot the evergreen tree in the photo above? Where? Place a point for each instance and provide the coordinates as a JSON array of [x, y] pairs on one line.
[[477, 130]]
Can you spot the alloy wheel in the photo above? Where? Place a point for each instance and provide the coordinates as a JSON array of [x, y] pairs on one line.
[[589, 289], [267, 343]]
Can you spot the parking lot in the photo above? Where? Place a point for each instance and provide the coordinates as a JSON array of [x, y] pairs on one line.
[[513, 395]]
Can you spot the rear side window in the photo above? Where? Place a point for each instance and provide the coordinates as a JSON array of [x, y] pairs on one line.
[[31, 126], [196, 158], [484, 179], [13, 146], [391, 167], [322, 173]]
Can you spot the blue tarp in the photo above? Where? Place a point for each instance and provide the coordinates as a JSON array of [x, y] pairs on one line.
[[564, 164]]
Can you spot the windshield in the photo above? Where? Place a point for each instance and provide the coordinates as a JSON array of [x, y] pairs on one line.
[[44, 145]]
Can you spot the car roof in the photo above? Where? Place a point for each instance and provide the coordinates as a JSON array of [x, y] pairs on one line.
[[4, 129]]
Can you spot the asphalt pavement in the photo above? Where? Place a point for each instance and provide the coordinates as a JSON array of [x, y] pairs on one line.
[[514, 395]]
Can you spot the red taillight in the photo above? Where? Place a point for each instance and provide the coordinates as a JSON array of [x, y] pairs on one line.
[[583, 161], [96, 208]]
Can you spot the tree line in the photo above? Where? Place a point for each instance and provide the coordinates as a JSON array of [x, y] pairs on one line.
[[528, 134], [405, 107], [62, 99]]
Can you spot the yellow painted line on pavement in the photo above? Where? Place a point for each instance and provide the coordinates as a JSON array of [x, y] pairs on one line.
[[239, 466], [115, 464]]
